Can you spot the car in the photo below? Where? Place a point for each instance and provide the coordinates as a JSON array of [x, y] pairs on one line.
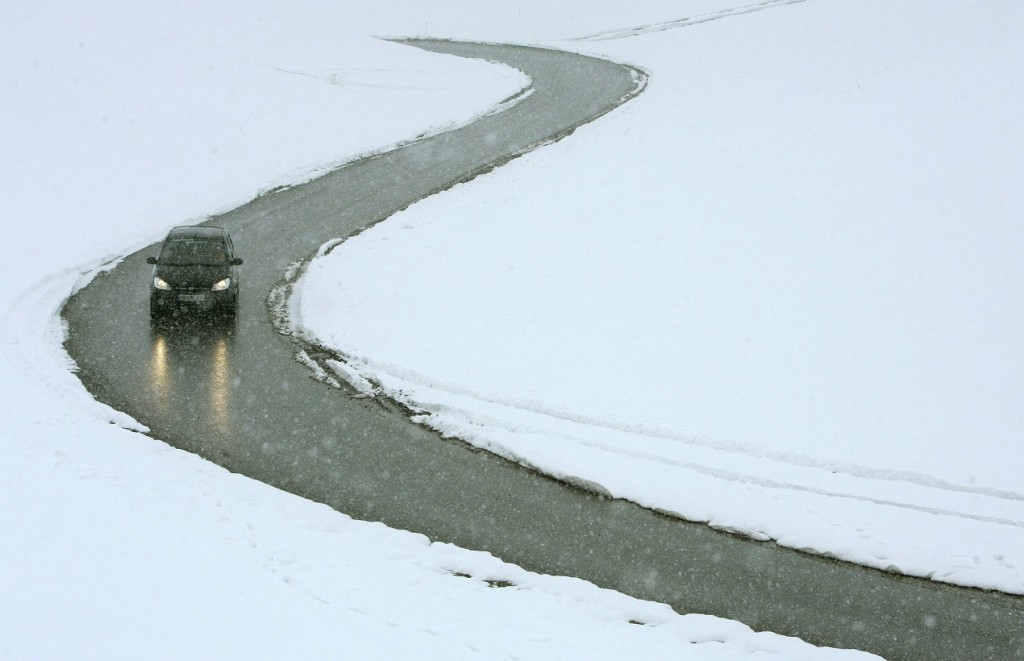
[[196, 271]]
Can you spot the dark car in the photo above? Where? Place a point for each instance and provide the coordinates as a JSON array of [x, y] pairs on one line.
[[196, 270]]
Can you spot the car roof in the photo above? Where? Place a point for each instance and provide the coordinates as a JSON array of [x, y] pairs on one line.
[[197, 232]]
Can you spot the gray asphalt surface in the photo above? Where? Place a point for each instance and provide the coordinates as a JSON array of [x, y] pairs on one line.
[[234, 394]]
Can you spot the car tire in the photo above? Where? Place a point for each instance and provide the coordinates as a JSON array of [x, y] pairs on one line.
[[231, 309]]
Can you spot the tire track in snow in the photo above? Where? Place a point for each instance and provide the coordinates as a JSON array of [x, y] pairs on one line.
[[685, 22], [914, 480], [366, 369]]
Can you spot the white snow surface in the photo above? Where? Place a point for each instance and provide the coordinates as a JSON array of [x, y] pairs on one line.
[[122, 119], [782, 291]]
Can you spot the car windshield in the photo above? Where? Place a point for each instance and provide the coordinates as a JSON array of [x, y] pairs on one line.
[[191, 252]]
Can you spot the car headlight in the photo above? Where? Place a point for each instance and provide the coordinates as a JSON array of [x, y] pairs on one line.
[[222, 285], [160, 283]]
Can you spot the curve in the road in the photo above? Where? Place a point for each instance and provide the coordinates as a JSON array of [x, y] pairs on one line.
[[237, 396]]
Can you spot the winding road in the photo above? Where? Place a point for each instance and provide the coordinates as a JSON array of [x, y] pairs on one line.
[[235, 395]]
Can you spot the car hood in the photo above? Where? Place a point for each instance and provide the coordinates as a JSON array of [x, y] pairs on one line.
[[191, 277]]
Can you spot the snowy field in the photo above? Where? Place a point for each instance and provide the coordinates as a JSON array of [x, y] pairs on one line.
[[122, 120], [781, 292]]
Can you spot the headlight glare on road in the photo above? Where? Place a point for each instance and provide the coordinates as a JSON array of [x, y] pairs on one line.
[[222, 285], [160, 283]]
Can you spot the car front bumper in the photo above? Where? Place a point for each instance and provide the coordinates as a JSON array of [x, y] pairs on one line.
[[195, 300]]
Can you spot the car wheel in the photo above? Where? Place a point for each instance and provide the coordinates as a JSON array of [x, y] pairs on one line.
[[230, 309]]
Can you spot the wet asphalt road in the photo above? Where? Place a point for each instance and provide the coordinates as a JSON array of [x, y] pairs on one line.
[[234, 393]]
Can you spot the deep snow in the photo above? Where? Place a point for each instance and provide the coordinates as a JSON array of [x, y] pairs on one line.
[[123, 120]]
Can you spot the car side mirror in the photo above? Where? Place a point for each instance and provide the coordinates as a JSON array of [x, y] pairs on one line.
[[151, 260], [237, 261]]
